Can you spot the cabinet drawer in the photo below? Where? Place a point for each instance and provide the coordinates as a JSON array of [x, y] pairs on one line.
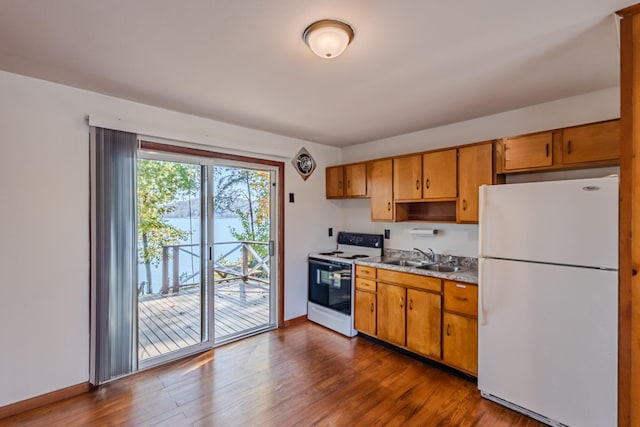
[[366, 272], [414, 280], [365, 284], [461, 297]]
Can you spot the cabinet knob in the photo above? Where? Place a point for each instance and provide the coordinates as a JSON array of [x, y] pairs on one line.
[[389, 206], [417, 184], [569, 147], [348, 183], [411, 304], [461, 298], [547, 148], [372, 308], [464, 204], [427, 183], [401, 302], [448, 329]]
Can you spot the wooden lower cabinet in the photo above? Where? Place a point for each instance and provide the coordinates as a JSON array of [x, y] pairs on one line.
[[460, 342], [460, 326], [423, 322], [365, 312], [391, 313], [429, 316]]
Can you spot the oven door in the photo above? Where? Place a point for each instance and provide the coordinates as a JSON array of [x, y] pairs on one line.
[[330, 285]]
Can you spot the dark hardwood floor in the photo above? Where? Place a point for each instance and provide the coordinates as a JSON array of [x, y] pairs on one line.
[[299, 376]]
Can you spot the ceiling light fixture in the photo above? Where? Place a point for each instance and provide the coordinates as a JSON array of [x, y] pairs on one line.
[[328, 38]]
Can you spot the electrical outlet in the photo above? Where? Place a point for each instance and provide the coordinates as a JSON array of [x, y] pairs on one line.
[[387, 233], [292, 198], [330, 231]]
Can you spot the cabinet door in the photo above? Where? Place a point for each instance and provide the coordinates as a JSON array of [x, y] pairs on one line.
[[439, 175], [391, 313], [407, 177], [475, 168], [529, 151], [460, 342], [381, 189], [334, 179], [591, 143], [365, 312], [355, 177], [423, 322]]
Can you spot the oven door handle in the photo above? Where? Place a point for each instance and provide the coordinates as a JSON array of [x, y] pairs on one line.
[[327, 264]]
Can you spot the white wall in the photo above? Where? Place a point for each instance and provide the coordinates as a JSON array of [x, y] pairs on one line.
[[463, 239], [44, 223]]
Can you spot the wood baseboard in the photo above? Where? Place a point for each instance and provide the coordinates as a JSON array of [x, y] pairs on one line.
[[44, 399], [295, 321]]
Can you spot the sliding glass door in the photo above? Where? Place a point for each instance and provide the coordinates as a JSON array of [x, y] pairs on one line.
[[243, 250], [171, 279], [205, 253]]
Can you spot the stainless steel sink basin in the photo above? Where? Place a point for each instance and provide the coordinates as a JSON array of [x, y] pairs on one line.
[[442, 268], [402, 262]]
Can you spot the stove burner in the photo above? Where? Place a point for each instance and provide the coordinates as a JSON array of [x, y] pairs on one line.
[[330, 253], [355, 256]]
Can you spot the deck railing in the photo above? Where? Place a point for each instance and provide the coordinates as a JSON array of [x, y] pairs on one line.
[[226, 267]]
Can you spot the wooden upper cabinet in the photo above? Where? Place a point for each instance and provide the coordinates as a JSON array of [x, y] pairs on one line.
[[334, 181], [475, 168], [355, 180], [380, 177], [346, 181], [528, 151], [439, 174], [584, 146], [407, 177], [591, 143]]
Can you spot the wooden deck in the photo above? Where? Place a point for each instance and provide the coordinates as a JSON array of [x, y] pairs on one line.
[[171, 322]]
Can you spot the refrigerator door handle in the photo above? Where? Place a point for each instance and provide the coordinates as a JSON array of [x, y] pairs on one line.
[[482, 315], [482, 211]]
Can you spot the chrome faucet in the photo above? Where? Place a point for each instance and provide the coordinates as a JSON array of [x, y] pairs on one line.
[[431, 256]]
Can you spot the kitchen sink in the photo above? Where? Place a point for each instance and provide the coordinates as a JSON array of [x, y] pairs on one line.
[[403, 262], [442, 268]]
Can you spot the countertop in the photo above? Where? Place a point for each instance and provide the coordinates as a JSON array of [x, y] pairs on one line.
[[467, 275]]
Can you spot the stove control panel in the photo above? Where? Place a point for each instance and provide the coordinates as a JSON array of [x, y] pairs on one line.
[[360, 239]]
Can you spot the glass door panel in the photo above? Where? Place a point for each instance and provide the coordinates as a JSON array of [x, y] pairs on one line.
[[170, 248], [243, 251]]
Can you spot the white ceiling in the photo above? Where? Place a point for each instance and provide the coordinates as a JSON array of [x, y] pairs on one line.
[[414, 64]]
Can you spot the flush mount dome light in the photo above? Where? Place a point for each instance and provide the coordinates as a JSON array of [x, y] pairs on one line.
[[328, 38]]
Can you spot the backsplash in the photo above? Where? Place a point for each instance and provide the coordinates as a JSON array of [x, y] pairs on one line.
[[471, 263]]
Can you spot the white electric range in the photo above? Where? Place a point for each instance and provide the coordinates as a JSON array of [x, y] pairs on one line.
[[331, 280]]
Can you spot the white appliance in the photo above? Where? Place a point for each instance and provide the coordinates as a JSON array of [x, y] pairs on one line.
[[548, 300], [331, 287]]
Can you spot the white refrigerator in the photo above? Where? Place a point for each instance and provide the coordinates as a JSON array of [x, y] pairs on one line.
[[548, 299]]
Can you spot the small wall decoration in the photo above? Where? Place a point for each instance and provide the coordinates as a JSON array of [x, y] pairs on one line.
[[304, 163]]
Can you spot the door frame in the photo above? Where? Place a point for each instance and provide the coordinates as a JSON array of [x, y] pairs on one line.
[[279, 235]]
